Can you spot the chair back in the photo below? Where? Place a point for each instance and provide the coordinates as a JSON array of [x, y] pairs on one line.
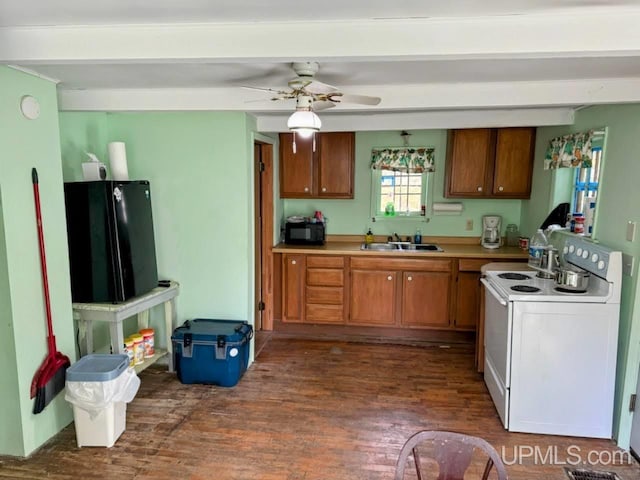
[[453, 453]]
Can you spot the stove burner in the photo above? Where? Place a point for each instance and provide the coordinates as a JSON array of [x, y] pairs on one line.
[[525, 289], [514, 276], [566, 290]]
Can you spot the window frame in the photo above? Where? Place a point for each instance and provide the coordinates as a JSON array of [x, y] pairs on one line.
[[425, 196]]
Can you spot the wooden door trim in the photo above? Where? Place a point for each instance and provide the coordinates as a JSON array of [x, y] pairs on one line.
[[264, 187]]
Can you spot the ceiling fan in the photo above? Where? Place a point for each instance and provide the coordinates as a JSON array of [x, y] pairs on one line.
[[311, 94]]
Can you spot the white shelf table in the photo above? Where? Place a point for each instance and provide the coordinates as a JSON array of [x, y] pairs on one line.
[[116, 313]]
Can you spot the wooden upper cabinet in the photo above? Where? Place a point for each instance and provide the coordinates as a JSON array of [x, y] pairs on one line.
[[485, 163], [326, 173], [296, 169], [335, 164], [514, 162], [470, 157]]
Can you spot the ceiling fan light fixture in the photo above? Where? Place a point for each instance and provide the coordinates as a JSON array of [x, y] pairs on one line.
[[304, 122]]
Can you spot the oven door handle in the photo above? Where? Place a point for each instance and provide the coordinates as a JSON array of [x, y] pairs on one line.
[[493, 292]]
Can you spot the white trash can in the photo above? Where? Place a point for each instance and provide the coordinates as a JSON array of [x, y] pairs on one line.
[[99, 387]]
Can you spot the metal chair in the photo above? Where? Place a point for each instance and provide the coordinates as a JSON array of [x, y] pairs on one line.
[[452, 452]]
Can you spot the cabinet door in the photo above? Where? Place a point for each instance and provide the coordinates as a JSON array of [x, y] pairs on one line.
[[336, 160], [293, 286], [425, 299], [296, 169], [470, 157], [468, 301], [514, 162], [373, 297]]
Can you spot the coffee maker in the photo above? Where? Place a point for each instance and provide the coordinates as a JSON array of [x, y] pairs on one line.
[[491, 231]]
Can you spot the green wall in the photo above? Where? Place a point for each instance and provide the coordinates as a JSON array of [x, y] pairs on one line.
[[200, 168], [618, 201], [354, 216], [26, 144]]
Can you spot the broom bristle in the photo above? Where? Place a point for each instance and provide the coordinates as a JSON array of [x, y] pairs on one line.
[[49, 390]]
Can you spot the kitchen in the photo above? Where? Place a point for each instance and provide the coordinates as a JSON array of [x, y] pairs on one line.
[[161, 148]]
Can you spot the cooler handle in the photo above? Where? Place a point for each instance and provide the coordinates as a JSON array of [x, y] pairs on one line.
[[248, 333]]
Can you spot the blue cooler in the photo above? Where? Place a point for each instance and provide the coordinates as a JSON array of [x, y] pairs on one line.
[[211, 351]]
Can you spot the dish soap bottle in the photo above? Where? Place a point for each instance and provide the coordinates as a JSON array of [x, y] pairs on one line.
[[417, 238], [368, 238]]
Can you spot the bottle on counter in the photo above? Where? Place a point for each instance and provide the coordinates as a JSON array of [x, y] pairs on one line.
[[417, 238], [537, 245], [368, 238]]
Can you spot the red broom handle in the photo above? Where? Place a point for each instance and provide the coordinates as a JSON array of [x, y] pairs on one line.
[[51, 341]]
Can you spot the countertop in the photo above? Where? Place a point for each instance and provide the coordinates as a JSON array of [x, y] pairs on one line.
[[451, 250]]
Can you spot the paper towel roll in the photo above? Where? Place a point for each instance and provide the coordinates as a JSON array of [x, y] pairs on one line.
[[447, 208], [118, 161]]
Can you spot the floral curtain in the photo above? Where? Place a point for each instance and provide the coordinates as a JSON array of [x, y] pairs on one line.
[[570, 151], [403, 159]]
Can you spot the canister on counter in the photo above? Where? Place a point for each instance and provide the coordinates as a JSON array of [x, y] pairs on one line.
[[128, 348], [148, 342], [524, 243], [138, 348]]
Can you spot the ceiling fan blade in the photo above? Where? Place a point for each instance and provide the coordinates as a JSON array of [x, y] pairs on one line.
[[318, 87], [322, 105], [273, 90], [360, 99]]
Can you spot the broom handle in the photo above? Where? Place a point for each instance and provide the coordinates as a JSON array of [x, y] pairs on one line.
[[51, 341]]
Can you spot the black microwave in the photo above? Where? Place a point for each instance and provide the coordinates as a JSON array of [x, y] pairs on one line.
[[304, 233]]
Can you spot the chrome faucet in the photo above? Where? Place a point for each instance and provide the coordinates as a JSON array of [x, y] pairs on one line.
[[397, 237]]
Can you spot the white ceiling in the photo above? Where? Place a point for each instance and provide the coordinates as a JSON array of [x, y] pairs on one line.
[[459, 62]]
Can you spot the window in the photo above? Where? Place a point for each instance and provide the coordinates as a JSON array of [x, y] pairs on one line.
[[585, 189], [399, 194]]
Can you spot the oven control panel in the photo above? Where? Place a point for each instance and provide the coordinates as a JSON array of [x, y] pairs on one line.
[[587, 255]]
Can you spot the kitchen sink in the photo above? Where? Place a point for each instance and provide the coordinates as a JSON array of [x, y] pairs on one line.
[[380, 246], [401, 247]]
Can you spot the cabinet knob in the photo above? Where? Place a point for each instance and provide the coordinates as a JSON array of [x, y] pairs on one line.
[[293, 262], [389, 277], [479, 189], [409, 278], [500, 188], [306, 189], [324, 189]]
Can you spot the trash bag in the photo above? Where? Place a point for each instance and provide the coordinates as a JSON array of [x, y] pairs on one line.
[[94, 397]]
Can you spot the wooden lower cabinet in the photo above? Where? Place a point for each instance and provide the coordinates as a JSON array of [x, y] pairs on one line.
[[425, 299], [467, 303], [293, 292], [400, 292], [324, 289], [373, 297]]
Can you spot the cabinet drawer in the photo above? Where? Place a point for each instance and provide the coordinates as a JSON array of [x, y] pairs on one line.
[[325, 295], [327, 277], [472, 264], [325, 261], [324, 314], [414, 264]]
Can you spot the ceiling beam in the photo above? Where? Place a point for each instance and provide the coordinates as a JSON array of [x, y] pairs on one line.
[[525, 36], [488, 95]]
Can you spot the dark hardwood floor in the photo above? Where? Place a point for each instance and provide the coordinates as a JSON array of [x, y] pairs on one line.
[[304, 410]]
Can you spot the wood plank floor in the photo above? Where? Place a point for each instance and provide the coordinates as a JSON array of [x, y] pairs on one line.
[[305, 410]]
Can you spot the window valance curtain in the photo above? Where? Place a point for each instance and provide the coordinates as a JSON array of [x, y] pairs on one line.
[[403, 159], [570, 151]]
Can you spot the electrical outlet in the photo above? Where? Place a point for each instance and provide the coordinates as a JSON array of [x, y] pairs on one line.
[[469, 225], [631, 231]]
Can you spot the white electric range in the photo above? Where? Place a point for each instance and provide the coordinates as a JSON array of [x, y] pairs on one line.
[[550, 355]]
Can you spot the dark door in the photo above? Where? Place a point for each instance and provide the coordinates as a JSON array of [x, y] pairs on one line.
[[135, 239]]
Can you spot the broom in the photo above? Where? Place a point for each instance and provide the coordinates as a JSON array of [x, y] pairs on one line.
[[50, 377]]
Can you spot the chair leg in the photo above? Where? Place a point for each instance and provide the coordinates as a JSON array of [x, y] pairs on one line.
[[487, 469], [416, 458]]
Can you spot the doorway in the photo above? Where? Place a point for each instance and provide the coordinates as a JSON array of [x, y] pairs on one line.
[[263, 195]]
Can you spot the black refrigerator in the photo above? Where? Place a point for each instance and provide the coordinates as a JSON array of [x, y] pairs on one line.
[[112, 251]]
